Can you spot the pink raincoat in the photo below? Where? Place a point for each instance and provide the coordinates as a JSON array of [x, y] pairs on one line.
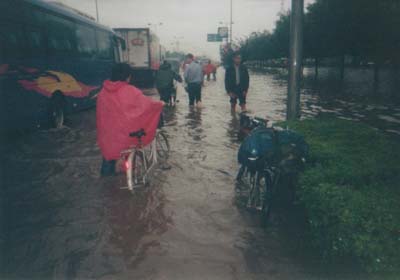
[[122, 109]]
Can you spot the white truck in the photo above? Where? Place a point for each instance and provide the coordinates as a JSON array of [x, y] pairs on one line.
[[143, 52]]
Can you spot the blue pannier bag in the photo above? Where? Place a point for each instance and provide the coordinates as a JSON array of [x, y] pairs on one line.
[[293, 142], [258, 147]]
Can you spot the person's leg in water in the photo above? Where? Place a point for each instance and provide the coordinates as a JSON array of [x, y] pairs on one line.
[[172, 97], [191, 93], [198, 96], [107, 167], [242, 101], [233, 101], [161, 121], [164, 95]]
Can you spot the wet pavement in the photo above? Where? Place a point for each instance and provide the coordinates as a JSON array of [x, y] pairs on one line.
[[65, 222]]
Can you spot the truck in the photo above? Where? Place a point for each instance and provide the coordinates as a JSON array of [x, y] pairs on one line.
[[143, 52]]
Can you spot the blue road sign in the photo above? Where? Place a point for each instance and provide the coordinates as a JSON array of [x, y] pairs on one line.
[[214, 38]]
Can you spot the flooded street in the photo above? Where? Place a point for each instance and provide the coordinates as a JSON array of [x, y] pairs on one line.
[[65, 222]]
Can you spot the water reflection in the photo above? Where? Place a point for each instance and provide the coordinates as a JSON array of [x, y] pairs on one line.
[[136, 222], [170, 116], [194, 125], [353, 98], [193, 118], [232, 130]]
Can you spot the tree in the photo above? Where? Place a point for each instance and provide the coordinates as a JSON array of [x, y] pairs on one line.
[[366, 29]]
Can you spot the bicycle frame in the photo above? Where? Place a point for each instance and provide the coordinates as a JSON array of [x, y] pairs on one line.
[[150, 156], [253, 177], [150, 160]]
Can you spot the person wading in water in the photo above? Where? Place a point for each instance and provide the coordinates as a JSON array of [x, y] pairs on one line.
[[237, 82], [194, 79]]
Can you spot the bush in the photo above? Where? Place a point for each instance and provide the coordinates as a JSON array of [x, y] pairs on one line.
[[350, 190]]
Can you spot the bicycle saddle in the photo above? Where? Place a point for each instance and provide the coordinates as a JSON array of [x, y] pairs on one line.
[[140, 133]]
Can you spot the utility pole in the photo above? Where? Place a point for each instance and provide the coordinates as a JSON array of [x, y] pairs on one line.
[[296, 59], [97, 11], [231, 23]]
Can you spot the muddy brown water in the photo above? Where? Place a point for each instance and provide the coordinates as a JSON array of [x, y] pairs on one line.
[[62, 221]]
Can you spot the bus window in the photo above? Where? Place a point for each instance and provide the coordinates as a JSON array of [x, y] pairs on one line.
[[35, 44], [11, 41], [34, 15], [105, 45], [60, 36], [117, 42], [86, 40], [1, 52], [10, 9]]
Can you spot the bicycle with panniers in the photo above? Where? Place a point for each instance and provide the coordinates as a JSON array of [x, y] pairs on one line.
[[266, 154]]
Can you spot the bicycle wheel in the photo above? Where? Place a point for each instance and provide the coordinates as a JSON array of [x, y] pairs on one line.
[[129, 171], [241, 172], [139, 169], [267, 183], [162, 146], [254, 190]]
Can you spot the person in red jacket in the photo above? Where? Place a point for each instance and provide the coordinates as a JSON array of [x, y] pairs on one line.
[[122, 109], [209, 69]]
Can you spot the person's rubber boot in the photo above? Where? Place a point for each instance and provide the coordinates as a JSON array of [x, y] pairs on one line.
[[107, 168]]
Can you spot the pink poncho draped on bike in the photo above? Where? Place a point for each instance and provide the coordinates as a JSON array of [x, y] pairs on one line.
[[122, 109]]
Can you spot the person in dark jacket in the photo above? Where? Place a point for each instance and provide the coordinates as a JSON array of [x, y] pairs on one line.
[[237, 82], [165, 82]]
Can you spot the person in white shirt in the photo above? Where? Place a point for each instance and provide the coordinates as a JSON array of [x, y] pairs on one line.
[[194, 79]]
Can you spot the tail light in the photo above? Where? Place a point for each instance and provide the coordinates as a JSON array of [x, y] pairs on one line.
[[127, 165]]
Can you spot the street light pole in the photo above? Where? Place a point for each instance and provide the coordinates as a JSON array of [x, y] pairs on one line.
[[231, 22], [296, 59], [97, 11]]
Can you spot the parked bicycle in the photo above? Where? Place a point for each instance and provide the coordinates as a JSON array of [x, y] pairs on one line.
[[265, 155], [140, 160], [257, 169]]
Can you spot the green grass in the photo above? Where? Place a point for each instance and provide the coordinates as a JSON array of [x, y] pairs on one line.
[[351, 192]]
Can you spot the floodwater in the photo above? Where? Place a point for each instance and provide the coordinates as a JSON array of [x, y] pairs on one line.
[[62, 221]]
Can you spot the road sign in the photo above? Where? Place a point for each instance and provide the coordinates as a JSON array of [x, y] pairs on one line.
[[223, 32], [214, 38]]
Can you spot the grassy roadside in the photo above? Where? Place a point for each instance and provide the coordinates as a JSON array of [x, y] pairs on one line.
[[351, 192]]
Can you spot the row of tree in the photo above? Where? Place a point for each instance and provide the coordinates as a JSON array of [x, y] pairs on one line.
[[366, 30]]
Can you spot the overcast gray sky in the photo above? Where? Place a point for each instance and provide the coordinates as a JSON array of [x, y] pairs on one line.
[[190, 19]]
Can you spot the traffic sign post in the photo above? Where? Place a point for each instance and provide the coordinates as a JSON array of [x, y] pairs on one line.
[[223, 32]]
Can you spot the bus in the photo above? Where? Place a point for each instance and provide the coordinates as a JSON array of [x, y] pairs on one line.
[[53, 61]]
